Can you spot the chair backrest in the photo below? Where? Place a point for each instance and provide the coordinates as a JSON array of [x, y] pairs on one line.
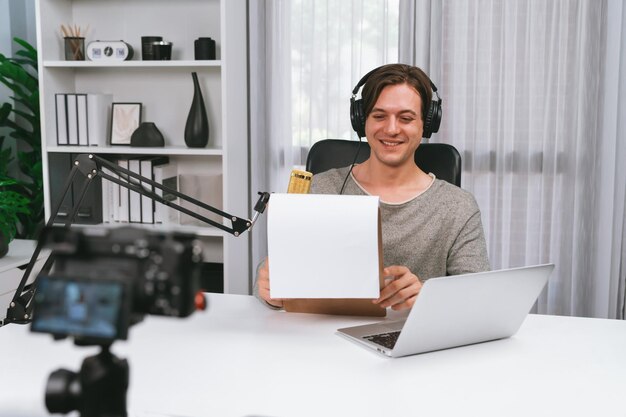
[[441, 159]]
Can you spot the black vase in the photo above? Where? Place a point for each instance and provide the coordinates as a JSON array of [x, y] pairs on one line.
[[147, 135], [197, 126]]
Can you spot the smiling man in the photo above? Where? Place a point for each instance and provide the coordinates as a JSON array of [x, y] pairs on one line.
[[430, 227]]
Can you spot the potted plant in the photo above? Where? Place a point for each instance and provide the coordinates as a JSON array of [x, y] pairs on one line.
[[21, 183], [12, 205]]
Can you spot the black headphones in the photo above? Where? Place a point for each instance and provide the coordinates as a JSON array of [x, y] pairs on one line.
[[358, 116]]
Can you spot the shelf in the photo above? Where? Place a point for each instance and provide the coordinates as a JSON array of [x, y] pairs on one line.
[[127, 150], [132, 64], [200, 231], [165, 90]]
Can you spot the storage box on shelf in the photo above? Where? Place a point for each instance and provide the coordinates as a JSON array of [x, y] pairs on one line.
[[165, 90]]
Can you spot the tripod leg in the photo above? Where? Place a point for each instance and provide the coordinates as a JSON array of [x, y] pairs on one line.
[[20, 308], [104, 382]]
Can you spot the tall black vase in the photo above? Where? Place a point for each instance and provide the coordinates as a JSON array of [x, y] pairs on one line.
[[197, 126]]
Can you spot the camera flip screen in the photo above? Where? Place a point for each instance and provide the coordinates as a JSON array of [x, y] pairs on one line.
[[87, 309]]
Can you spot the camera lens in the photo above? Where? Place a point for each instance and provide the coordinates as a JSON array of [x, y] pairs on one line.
[[62, 391]]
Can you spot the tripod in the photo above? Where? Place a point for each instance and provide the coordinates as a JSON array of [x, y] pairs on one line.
[[98, 390]]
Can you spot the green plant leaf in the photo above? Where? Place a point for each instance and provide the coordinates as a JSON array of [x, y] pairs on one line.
[[12, 204], [31, 102], [23, 62], [17, 85], [29, 50], [6, 158], [5, 111], [6, 181], [29, 117], [24, 132], [21, 134], [19, 74], [17, 79]]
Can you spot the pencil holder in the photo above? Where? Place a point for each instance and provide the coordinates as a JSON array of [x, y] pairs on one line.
[[147, 51], [74, 49]]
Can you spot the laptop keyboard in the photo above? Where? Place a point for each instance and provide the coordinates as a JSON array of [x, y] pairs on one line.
[[387, 340]]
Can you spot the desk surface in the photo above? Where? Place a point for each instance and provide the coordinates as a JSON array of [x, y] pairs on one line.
[[12, 267], [20, 251], [241, 359]]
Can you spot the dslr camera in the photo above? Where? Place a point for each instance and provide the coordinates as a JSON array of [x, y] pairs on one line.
[[106, 280], [103, 282]]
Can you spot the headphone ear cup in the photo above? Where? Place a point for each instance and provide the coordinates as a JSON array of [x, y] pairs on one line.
[[433, 119], [428, 122], [357, 118]]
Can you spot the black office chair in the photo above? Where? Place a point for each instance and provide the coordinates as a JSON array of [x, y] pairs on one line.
[[441, 159]]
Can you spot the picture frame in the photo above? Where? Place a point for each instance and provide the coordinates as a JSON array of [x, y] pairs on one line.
[[125, 118]]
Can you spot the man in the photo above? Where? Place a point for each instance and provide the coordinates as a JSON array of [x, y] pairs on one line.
[[430, 228]]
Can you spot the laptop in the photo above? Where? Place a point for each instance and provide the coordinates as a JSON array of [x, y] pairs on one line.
[[458, 310]]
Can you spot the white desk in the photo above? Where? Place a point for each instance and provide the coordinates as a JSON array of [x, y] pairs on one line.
[[241, 359]]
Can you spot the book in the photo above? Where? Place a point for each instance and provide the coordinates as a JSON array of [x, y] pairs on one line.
[[90, 209], [114, 191], [122, 196], [134, 198], [106, 209], [109, 202], [114, 196], [146, 169], [98, 118], [81, 116], [167, 175], [147, 205], [61, 118], [72, 120], [60, 164], [206, 188]]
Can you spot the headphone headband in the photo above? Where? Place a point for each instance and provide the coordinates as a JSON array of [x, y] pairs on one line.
[[358, 116], [362, 81]]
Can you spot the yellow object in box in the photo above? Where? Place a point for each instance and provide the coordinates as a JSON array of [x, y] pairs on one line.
[[299, 182]]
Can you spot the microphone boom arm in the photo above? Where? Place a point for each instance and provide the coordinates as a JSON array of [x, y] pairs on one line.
[[91, 166]]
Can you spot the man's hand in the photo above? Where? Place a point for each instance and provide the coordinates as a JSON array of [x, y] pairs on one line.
[[400, 290], [263, 283]]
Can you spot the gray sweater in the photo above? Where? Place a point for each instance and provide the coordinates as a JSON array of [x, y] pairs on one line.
[[437, 233]]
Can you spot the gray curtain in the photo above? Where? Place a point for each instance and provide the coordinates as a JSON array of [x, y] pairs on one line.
[[533, 97], [420, 36], [305, 58], [17, 19], [270, 121]]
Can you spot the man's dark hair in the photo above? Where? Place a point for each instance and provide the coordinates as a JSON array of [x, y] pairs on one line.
[[393, 74]]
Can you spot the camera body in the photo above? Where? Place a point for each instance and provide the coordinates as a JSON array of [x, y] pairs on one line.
[[105, 280]]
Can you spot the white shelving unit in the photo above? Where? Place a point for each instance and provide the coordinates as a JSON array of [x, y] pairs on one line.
[[165, 90], [128, 64]]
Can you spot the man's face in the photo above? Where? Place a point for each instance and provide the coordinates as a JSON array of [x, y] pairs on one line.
[[394, 126]]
